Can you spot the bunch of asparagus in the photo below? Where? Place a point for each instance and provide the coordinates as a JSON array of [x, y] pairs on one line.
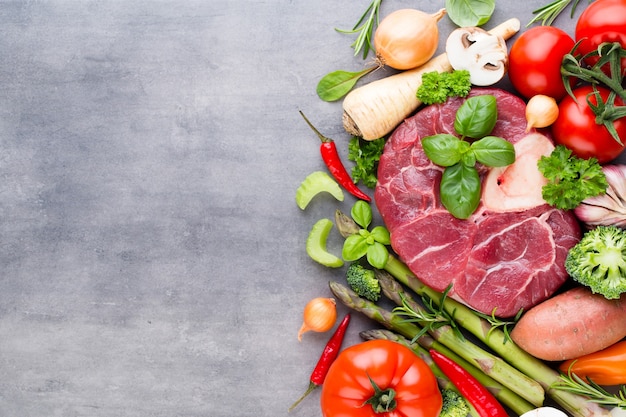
[[517, 379]]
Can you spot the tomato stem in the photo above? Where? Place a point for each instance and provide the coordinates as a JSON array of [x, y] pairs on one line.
[[383, 401]]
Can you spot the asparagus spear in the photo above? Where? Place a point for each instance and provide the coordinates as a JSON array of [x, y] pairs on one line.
[[489, 363], [397, 324]]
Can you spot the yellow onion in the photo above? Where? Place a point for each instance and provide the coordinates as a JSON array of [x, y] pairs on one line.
[[320, 315], [407, 38], [541, 111]]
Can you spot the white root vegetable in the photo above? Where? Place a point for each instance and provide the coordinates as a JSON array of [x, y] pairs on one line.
[[541, 111], [375, 109], [608, 208]]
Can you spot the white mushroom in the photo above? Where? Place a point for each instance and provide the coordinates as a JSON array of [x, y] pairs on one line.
[[484, 55]]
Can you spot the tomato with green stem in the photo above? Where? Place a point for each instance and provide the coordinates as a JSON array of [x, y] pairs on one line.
[[602, 21], [577, 127], [535, 61], [380, 378]]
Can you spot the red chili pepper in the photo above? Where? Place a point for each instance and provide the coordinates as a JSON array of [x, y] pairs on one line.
[[483, 401], [326, 359], [335, 166]]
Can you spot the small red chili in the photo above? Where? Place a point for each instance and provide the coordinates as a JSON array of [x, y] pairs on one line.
[[331, 158], [483, 401], [329, 354]]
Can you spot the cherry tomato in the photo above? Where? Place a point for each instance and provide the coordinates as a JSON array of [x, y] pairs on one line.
[[577, 129], [602, 21], [391, 366], [535, 61]]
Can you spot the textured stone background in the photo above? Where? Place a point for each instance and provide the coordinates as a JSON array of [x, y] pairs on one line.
[[152, 257]]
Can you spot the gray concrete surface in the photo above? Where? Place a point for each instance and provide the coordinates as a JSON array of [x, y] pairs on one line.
[[152, 256]]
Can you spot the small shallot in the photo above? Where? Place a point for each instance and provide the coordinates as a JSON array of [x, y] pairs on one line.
[[320, 315], [609, 208], [541, 111]]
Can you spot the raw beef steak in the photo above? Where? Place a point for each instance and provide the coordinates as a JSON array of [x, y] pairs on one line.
[[497, 259]]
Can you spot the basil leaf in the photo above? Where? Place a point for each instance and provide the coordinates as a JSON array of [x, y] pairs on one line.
[[494, 151], [470, 12], [477, 116], [381, 235], [361, 212], [337, 84], [354, 248], [460, 190], [377, 255], [443, 149]]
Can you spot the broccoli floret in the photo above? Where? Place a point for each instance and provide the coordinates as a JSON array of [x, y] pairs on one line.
[[454, 405], [363, 281], [598, 261]]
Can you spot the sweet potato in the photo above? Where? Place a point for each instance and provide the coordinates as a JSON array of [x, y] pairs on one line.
[[571, 324]]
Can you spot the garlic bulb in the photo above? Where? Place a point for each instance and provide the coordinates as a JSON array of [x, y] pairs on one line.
[[609, 208]]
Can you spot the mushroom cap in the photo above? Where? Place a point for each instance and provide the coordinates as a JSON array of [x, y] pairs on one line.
[[481, 53]]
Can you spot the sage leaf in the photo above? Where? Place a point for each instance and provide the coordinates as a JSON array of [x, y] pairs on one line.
[[460, 190], [477, 116], [337, 84], [470, 12], [493, 151]]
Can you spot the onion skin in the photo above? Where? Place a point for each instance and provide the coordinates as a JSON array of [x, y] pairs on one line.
[[609, 208], [320, 315], [407, 38]]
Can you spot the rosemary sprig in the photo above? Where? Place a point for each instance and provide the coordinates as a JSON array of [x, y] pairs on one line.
[[365, 28], [503, 325], [431, 317], [576, 385], [546, 14]]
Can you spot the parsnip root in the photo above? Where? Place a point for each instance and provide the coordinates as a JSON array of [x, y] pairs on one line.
[[375, 109]]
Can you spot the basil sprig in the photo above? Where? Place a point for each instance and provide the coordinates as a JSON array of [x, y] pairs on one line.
[[460, 186]]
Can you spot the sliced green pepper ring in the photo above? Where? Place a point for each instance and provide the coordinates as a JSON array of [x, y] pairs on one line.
[[315, 183], [316, 244]]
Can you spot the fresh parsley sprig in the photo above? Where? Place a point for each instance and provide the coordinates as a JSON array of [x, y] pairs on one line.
[[570, 179]]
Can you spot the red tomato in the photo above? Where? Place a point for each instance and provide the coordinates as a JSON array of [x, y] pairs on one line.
[[391, 366], [576, 127], [535, 61], [602, 21]]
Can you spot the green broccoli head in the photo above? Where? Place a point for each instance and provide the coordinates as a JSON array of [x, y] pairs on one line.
[[454, 405], [363, 281], [598, 261]]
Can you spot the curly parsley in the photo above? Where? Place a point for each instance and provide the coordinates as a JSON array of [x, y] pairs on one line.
[[437, 87], [366, 155], [570, 179]]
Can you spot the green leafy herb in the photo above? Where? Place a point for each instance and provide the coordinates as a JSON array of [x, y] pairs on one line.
[[546, 14], [371, 244], [337, 84], [576, 385], [570, 179], [437, 87], [365, 154], [470, 12], [460, 186], [365, 28], [477, 116]]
